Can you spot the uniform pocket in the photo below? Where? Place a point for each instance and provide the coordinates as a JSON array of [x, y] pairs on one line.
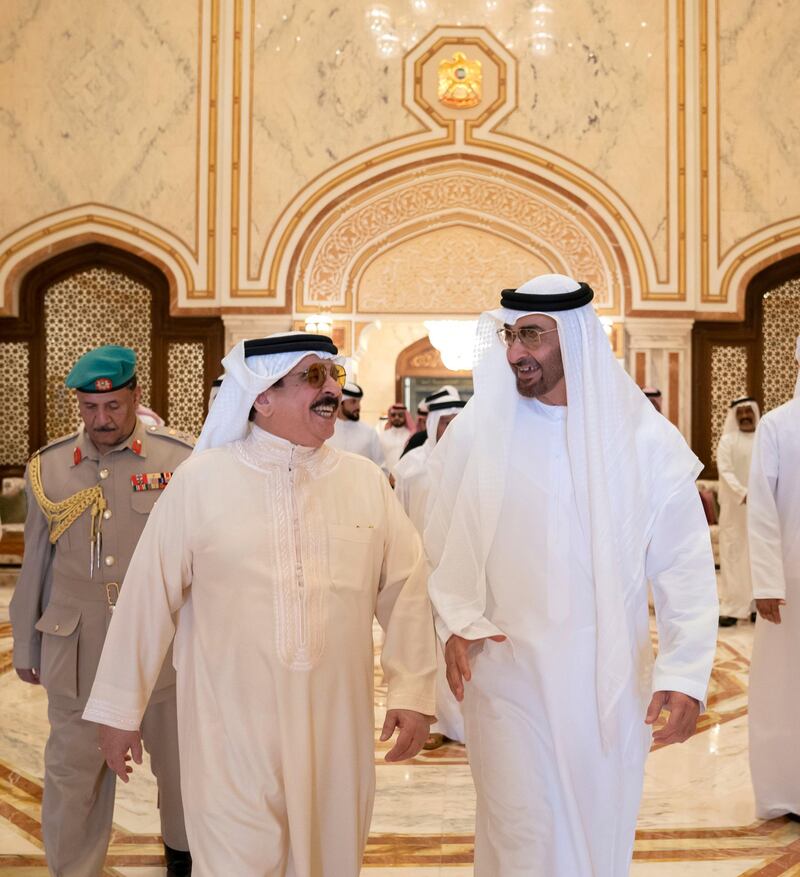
[[352, 555], [142, 501], [60, 628]]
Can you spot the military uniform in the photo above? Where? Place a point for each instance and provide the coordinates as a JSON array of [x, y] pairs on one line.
[[60, 612]]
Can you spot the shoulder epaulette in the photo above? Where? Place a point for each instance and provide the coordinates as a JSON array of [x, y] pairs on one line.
[[55, 442], [168, 432]]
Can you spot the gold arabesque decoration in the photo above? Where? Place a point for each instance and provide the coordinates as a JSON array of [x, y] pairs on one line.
[[460, 82]]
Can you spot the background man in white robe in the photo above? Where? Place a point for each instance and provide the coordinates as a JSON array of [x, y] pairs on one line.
[[773, 507], [411, 488], [555, 495], [397, 431], [734, 453], [654, 395], [268, 556], [350, 434]]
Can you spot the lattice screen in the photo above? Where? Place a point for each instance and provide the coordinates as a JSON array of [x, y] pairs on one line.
[[780, 329], [185, 376], [90, 308], [728, 382], [14, 383]]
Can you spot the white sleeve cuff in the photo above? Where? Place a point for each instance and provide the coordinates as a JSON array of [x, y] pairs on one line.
[[103, 714]]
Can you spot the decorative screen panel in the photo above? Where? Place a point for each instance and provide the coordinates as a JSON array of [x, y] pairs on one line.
[[781, 326], [185, 386], [728, 382], [87, 309], [14, 391]]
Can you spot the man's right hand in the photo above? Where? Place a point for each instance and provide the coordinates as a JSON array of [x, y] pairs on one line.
[[770, 609], [457, 661], [116, 745], [29, 675]]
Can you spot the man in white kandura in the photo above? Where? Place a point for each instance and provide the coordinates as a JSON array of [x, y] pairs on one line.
[[734, 453], [397, 431], [268, 556], [555, 495], [773, 511], [412, 489], [349, 433]]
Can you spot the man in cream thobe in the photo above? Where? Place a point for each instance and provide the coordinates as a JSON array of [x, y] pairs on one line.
[[556, 494], [734, 453], [268, 557], [411, 488], [773, 503]]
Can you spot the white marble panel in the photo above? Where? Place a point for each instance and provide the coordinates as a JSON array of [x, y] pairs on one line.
[[99, 103], [321, 92], [598, 95], [759, 137]]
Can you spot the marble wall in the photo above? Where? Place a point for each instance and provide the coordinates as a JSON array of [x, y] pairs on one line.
[[243, 146], [759, 119], [212, 134], [99, 104]]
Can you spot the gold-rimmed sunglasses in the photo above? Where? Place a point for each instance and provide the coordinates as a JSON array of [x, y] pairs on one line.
[[528, 336], [317, 373]]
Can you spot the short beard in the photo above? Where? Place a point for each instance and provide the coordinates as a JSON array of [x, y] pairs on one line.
[[526, 391], [351, 415]]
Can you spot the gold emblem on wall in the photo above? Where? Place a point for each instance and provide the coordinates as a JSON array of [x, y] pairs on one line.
[[460, 82]]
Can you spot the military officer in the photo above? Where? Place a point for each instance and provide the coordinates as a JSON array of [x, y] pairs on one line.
[[89, 495]]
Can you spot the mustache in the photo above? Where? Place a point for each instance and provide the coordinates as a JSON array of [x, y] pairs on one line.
[[327, 399], [105, 429], [526, 361]]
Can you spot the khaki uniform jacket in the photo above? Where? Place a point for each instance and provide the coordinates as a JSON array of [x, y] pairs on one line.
[[59, 611]]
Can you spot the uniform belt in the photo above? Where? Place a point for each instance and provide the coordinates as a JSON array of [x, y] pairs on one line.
[[86, 590]]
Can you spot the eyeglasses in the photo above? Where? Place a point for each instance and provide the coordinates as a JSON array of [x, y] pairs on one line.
[[316, 375], [528, 336]]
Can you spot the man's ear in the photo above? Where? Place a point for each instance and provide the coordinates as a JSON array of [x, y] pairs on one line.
[[263, 404], [137, 395]]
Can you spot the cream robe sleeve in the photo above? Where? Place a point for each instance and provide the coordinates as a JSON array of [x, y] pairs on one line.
[[404, 612], [763, 522], [142, 627], [725, 466], [680, 566]]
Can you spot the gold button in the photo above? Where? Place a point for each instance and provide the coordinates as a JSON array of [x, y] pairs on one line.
[[152, 428], [109, 561], [173, 432], [107, 514], [104, 473], [56, 627]]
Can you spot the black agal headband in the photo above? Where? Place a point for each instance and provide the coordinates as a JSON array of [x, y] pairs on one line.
[[290, 344], [556, 301]]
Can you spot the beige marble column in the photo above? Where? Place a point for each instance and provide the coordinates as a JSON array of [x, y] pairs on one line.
[[659, 354]]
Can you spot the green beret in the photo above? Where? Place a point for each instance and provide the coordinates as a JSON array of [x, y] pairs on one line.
[[102, 370]]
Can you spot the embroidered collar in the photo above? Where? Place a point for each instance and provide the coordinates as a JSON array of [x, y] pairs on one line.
[[263, 450]]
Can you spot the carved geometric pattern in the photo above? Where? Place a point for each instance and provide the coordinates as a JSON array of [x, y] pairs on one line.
[[186, 388], [14, 390], [433, 199], [728, 382], [90, 308], [456, 269], [780, 329]]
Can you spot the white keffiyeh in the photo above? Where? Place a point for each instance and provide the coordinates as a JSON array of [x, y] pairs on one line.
[[245, 379]]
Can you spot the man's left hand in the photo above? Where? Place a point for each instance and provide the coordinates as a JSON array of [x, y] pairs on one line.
[[413, 730], [683, 714]]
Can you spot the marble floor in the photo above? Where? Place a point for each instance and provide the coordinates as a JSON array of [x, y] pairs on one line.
[[696, 819]]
